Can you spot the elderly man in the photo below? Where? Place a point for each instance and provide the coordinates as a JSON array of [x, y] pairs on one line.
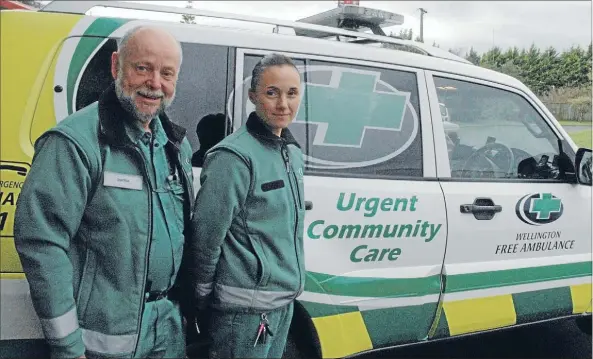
[[100, 219]]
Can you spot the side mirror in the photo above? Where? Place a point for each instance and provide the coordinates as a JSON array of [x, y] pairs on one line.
[[583, 166]]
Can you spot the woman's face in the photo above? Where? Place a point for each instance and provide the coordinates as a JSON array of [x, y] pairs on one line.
[[277, 96]]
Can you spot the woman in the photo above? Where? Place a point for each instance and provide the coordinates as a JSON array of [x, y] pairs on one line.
[[247, 244]]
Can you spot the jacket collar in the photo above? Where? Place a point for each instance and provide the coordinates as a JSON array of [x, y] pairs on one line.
[[256, 127], [112, 116]]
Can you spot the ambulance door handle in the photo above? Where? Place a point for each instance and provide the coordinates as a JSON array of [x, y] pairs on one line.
[[308, 205], [482, 208], [472, 208]]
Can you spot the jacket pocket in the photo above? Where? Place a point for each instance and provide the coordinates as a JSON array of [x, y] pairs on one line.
[[86, 284], [260, 254]]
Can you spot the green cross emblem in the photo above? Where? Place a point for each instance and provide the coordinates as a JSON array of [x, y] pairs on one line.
[[545, 205], [345, 111]]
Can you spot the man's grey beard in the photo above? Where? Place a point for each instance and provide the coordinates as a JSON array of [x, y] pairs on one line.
[[128, 103]]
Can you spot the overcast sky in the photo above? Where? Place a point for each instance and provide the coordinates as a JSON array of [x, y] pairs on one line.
[[451, 24]]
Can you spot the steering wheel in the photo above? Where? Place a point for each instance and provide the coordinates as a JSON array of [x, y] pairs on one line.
[[490, 154]]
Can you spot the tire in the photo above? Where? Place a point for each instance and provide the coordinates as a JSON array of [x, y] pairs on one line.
[[292, 350], [197, 350], [584, 324], [302, 342]]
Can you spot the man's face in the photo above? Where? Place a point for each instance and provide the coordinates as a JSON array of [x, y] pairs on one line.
[[146, 74], [277, 96]]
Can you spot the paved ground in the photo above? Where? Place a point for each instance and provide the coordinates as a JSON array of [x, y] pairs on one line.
[[570, 129], [548, 340]]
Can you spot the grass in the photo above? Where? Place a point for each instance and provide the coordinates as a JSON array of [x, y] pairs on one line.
[[582, 138]]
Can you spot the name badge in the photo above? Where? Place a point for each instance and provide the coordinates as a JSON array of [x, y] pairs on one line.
[[113, 179]]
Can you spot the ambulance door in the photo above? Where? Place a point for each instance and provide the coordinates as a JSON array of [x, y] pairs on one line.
[[519, 234], [376, 229]]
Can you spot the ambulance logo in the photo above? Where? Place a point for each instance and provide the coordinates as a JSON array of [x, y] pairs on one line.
[[348, 106], [539, 208], [349, 117]]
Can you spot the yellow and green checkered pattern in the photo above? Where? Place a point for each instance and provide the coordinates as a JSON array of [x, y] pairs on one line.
[[352, 332], [473, 315], [346, 329]]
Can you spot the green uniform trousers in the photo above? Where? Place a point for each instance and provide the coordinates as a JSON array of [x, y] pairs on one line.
[[232, 335], [161, 334]]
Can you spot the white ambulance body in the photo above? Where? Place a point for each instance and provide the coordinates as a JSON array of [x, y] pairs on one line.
[[444, 198]]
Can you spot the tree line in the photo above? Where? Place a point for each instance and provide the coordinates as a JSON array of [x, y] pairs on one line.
[[542, 70]]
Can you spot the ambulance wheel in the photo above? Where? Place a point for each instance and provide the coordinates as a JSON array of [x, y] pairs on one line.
[[302, 339], [292, 350], [584, 324]]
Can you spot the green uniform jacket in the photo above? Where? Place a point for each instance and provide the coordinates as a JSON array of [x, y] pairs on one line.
[[247, 244], [83, 228]]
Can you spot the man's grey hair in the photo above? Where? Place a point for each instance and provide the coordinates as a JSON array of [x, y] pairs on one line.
[[122, 43], [267, 62]]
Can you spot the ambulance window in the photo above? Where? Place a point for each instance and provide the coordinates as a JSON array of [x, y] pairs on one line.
[[97, 75], [362, 121], [202, 91], [494, 133], [201, 94]]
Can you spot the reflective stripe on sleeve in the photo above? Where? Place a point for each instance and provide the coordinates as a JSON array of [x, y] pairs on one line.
[[60, 327]]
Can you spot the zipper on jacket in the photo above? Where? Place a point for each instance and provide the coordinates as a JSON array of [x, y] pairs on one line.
[[287, 164], [296, 185], [285, 158], [297, 204], [147, 252]]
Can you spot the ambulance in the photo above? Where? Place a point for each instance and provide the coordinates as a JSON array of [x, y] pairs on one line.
[[444, 199]]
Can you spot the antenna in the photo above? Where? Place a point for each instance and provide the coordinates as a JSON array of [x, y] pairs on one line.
[[422, 12]]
